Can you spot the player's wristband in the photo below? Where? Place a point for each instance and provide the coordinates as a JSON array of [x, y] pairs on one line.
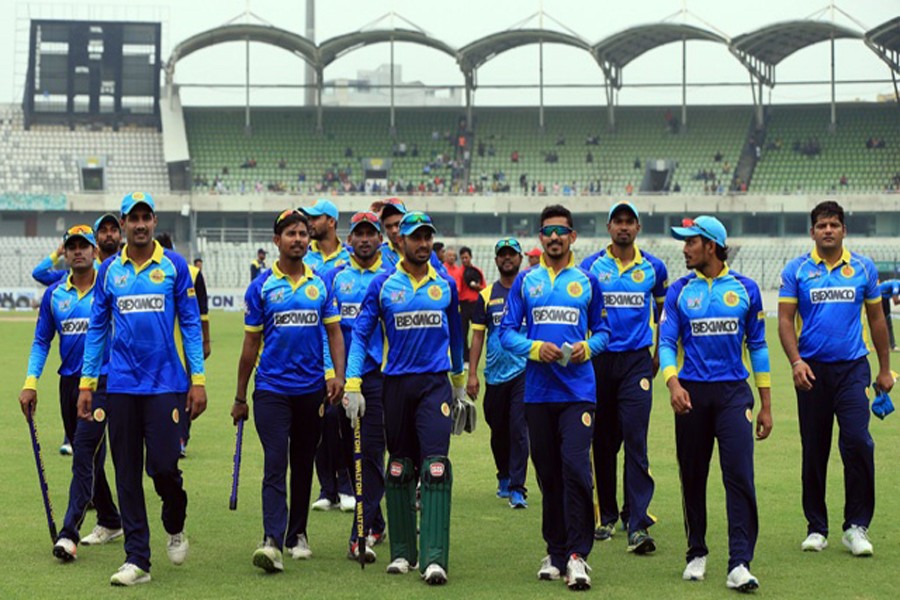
[[796, 362], [240, 400]]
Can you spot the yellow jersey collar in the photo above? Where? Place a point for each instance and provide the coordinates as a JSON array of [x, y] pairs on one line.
[[725, 271], [375, 265], [431, 274], [553, 274], [845, 258], [307, 274], [638, 257], [314, 246], [70, 286], [156, 257]]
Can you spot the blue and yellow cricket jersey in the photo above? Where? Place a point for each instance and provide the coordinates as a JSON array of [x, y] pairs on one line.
[[632, 296], [134, 311], [420, 321], [65, 312], [292, 318], [890, 288], [347, 285], [830, 303], [499, 365], [556, 307], [712, 318], [46, 273], [320, 263]]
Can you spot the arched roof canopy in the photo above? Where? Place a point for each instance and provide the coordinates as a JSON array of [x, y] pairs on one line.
[[473, 55], [239, 32], [884, 40], [332, 49], [763, 49], [619, 49]]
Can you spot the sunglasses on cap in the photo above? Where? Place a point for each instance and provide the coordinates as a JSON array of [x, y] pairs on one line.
[[688, 222], [508, 243], [559, 230], [365, 217], [79, 230]]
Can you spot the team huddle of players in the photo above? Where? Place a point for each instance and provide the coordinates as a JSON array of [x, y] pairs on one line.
[[369, 329]]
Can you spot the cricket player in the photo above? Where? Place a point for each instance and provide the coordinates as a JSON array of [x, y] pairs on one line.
[[65, 310], [713, 313], [390, 211], [504, 377], [348, 284], [828, 290], [634, 288], [138, 296], [418, 310], [287, 314], [561, 306]]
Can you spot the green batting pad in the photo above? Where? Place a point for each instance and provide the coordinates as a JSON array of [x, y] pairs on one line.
[[437, 483], [400, 497]]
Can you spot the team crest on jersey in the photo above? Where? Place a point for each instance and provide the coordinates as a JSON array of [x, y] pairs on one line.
[[99, 415], [574, 289], [638, 276], [276, 296], [398, 296], [346, 287], [64, 305], [445, 409], [731, 299], [604, 277], [435, 292], [695, 303], [157, 275], [586, 419], [536, 291], [848, 271], [312, 292], [645, 384], [121, 280], [175, 415]]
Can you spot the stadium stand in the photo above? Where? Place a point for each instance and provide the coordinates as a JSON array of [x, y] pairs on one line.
[[20, 256], [44, 159], [800, 154]]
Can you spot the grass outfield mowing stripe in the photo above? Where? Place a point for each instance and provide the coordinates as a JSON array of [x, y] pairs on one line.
[[495, 551]]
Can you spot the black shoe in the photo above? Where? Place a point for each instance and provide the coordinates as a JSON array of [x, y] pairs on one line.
[[640, 542]]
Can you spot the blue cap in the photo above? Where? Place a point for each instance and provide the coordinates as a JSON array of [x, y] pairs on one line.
[[104, 218], [620, 206], [412, 221], [507, 243], [709, 227], [80, 231], [135, 198], [322, 207]]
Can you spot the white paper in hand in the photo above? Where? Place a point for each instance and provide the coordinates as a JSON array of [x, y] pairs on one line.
[[566, 354]]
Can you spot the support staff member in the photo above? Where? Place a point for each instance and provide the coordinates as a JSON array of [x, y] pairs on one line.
[[890, 292], [65, 310], [348, 284], [713, 313], [504, 377], [634, 287], [561, 306], [287, 307], [827, 289], [419, 314], [139, 294]]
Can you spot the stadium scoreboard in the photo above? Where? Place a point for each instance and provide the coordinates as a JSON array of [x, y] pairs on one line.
[[93, 72]]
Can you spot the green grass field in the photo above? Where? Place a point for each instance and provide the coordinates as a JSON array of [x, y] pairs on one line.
[[495, 551]]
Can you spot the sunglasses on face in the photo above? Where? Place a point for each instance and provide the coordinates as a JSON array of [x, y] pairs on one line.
[[559, 230]]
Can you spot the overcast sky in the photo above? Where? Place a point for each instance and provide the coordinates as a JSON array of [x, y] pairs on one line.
[[461, 21]]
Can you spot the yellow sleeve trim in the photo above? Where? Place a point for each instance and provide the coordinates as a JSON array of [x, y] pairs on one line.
[[354, 384], [330, 320], [763, 380], [30, 383], [253, 328], [478, 327], [587, 351], [535, 352], [874, 301], [669, 373], [87, 383], [54, 257], [204, 318], [787, 301], [329, 374], [198, 379], [458, 380]]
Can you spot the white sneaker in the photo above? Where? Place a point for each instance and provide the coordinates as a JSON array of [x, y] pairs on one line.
[[695, 570], [268, 558], [65, 449], [65, 549], [398, 566], [577, 577], [353, 553], [741, 579], [347, 502], [129, 574], [322, 504], [177, 548], [814, 542], [435, 574], [101, 535], [856, 538], [301, 551], [548, 572]]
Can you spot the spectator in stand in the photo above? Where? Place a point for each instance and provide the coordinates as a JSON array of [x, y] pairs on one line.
[[589, 157], [629, 189], [470, 283], [844, 181], [676, 188], [514, 157], [637, 162], [534, 256], [259, 265], [282, 163], [726, 168], [491, 151], [718, 156]]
